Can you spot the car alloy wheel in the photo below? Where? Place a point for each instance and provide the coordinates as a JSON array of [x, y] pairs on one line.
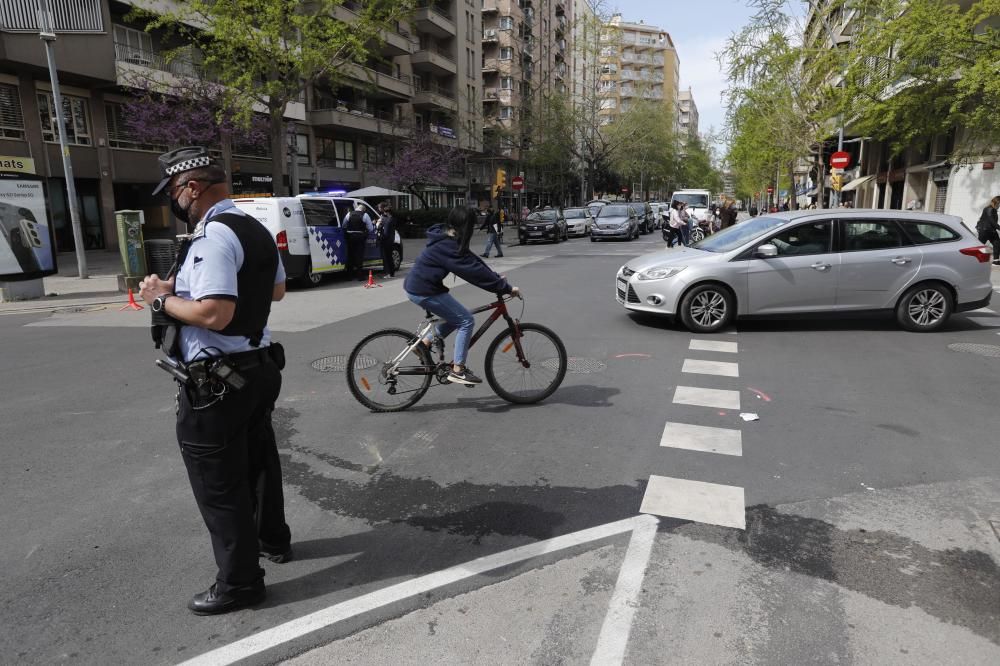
[[925, 307], [706, 308]]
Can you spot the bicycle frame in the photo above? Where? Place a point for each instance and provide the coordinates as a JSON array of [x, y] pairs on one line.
[[499, 310]]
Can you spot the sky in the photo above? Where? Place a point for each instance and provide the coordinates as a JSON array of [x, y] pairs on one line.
[[699, 29]]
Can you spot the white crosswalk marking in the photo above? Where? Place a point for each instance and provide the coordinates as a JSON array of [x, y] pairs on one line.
[[726, 441], [714, 346], [703, 397], [986, 321], [698, 367], [695, 500]]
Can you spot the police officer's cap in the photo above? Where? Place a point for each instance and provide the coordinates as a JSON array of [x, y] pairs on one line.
[[181, 160]]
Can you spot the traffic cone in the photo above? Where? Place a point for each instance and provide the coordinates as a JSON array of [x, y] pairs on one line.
[[371, 281], [131, 303]]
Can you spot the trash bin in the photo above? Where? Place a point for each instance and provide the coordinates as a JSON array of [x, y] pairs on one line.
[[160, 255]]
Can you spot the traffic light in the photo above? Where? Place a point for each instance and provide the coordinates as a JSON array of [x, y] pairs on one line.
[[836, 181], [500, 184]]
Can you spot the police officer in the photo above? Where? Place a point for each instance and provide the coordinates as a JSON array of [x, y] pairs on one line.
[[359, 226], [220, 298], [386, 235]]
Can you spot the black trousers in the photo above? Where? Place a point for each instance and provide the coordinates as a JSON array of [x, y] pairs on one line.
[[994, 239], [233, 466], [356, 254], [388, 267]]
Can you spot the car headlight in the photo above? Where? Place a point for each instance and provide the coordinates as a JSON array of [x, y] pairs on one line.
[[659, 272], [549, 227], [623, 224]]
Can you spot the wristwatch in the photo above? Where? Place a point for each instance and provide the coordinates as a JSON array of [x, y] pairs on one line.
[[159, 302]]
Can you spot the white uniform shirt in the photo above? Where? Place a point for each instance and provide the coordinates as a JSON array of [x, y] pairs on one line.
[[208, 271]]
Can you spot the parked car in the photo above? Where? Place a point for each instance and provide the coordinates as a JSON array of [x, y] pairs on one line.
[[595, 205], [578, 221], [616, 220], [922, 267], [310, 235], [543, 225]]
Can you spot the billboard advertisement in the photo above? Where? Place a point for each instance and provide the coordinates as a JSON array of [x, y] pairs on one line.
[[27, 248]]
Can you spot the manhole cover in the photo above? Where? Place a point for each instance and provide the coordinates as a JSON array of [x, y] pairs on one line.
[[972, 348], [576, 365], [338, 363]]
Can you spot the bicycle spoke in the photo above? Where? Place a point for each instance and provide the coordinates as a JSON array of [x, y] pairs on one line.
[[542, 369], [373, 374]]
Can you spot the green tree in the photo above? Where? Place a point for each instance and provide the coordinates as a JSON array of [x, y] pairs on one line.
[[267, 53], [922, 68], [696, 168], [645, 146], [552, 148]]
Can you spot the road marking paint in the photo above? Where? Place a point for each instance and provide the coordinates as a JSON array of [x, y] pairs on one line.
[[713, 345], [991, 322], [721, 368], [703, 397], [726, 441], [270, 638], [613, 639], [632, 356], [695, 500], [983, 311], [760, 394]]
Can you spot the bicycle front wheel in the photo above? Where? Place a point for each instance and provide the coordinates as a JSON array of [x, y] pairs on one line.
[[536, 376], [369, 376]]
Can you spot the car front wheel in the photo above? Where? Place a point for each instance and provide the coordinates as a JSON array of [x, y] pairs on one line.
[[925, 307], [707, 308]]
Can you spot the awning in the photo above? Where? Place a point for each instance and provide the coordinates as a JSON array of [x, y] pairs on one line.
[[376, 192], [856, 183]]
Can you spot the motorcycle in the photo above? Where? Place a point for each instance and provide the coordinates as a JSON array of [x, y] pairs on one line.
[[702, 229]]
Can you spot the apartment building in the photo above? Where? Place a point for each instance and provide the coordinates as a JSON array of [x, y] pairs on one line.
[[687, 114], [423, 76], [921, 177], [638, 61]]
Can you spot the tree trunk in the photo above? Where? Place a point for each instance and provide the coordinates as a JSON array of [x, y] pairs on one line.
[[278, 151], [419, 195], [793, 199], [226, 141]]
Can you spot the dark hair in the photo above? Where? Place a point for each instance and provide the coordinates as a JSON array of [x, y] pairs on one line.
[[463, 220]]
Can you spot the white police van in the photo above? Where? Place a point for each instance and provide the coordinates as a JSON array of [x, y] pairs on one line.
[[309, 231]]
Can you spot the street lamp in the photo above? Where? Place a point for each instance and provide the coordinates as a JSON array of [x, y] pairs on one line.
[[46, 32]]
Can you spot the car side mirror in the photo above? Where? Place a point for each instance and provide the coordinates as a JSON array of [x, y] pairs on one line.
[[766, 251]]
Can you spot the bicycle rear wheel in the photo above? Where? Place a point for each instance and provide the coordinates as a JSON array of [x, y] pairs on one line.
[[367, 377], [541, 373]]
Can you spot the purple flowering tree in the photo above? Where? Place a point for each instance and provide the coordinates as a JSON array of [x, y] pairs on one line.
[[421, 162]]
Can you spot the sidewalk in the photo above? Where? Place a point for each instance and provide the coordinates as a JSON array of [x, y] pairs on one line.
[[66, 290]]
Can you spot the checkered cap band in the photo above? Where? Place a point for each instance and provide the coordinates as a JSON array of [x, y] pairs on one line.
[[187, 165]]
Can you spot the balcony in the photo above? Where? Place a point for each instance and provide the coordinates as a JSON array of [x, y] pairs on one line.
[[392, 43], [434, 96], [383, 85], [490, 7], [433, 20], [434, 61], [500, 95], [339, 114], [491, 35]]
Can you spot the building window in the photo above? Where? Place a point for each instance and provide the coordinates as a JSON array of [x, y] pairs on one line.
[[506, 53], [132, 45], [11, 120], [375, 156], [76, 116], [506, 83], [506, 112], [302, 148], [506, 23], [120, 135], [338, 153]]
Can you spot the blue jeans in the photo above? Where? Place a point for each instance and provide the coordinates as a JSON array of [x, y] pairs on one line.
[[455, 316], [685, 233], [491, 241]]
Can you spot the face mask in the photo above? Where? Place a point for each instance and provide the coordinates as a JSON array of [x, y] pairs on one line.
[[182, 214]]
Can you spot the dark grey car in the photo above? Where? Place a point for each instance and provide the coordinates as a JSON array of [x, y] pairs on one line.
[[616, 221]]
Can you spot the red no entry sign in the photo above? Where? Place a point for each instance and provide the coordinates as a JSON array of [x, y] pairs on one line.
[[840, 160], [770, 190], [517, 183]]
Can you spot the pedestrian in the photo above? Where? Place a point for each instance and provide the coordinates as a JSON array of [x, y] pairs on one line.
[[229, 374], [492, 227], [358, 226], [727, 216], [988, 228], [676, 237], [753, 211], [525, 211], [685, 224], [386, 235]]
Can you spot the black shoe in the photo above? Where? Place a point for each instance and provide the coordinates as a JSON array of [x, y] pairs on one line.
[[463, 376], [212, 602], [277, 558], [499, 255], [485, 255]]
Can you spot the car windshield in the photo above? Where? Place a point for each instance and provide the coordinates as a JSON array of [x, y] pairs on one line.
[[571, 213], [735, 236], [698, 200], [542, 215], [613, 211]]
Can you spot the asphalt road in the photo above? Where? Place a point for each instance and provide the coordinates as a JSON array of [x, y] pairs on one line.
[[868, 486]]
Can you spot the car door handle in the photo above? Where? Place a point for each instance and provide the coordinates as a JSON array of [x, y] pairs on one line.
[[820, 266], [900, 261]]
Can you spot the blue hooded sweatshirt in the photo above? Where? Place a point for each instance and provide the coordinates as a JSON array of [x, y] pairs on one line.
[[443, 256]]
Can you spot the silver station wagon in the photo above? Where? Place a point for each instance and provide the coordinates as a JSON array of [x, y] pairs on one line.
[[921, 266]]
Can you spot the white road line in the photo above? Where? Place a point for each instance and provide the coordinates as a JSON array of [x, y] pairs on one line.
[[269, 638], [986, 321], [714, 345], [703, 397], [698, 367], [983, 311], [695, 500], [727, 441], [613, 639]]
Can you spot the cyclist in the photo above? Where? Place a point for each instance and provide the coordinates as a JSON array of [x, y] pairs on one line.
[[447, 251]]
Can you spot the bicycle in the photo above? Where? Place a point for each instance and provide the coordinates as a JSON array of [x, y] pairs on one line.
[[381, 381]]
